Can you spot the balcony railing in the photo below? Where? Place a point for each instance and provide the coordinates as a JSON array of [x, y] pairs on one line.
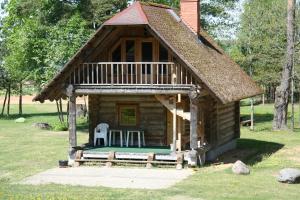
[[131, 73]]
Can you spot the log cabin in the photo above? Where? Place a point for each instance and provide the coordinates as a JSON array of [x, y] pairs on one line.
[[152, 69]]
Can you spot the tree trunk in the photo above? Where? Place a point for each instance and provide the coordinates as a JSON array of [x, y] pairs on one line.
[[283, 91], [8, 102], [58, 111], [20, 99], [4, 102], [61, 111]]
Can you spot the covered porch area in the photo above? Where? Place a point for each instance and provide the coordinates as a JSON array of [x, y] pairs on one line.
[[170, 126]]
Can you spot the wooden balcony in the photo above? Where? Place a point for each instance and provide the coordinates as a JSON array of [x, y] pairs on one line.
[[131, 73]]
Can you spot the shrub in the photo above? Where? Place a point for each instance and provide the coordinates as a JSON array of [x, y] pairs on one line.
[[60, 127]]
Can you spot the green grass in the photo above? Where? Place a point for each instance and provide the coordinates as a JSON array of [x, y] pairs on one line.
[[25, 151]]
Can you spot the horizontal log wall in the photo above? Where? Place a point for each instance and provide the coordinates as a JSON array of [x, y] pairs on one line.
[[152, 115], [227, 119]]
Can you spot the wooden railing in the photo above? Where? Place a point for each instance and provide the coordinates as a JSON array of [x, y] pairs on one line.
[[131, 73]]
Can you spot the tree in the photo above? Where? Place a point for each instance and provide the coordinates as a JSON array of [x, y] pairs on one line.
[[95, 12], [40, 36], [261, 42], [283, 91], [215, 14]]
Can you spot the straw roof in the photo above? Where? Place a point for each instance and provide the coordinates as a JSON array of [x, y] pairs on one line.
[[221, 75], [216, 70]]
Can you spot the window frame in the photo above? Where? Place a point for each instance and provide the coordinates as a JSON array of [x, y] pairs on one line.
[[124, 106]]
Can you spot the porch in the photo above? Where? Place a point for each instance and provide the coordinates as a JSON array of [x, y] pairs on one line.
[[148, 156], [164, 121]]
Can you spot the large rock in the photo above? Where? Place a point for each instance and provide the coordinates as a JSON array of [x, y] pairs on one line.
[[20, 120], [41, 125], [240, 168], [289, 175]]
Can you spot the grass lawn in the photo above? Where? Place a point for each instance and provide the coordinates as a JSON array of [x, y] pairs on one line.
[[25, 151]]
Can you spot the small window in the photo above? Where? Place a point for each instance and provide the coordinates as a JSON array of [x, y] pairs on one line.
[[128, 115]]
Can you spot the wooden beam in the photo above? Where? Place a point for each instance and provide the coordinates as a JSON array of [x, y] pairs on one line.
[[194, 101], [174, 124], [147, 90]]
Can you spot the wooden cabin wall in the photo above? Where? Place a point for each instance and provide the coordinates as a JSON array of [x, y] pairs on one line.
[[152, 115], [228, 122]]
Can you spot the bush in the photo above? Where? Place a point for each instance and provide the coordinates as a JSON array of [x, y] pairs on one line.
[[60, 127]]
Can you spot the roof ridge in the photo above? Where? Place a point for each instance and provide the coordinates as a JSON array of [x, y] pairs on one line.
[[156, 5]]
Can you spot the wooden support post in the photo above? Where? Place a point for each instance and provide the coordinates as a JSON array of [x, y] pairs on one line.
[[193, 124], [179, 161], [78, 156], [193, 154], [111, 156], [72, 124], [179, 98], [150, 160], [174, 124], [178, 142]]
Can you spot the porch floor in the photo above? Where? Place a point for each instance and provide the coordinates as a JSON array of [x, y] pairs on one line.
[[129, 154], [155, 150]]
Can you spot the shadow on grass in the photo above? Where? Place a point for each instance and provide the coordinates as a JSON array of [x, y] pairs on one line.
[[250, 151], [259, 118], [83, 126]]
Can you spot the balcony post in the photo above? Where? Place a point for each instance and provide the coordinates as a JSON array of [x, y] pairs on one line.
[[194, 96]]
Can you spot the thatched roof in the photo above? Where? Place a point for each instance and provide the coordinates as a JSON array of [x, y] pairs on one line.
[[221, 75]]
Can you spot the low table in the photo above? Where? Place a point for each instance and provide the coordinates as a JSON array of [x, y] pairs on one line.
[[112, 133], [139, 133]]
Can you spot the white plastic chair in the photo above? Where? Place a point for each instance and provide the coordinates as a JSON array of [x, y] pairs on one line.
[[101, 132]]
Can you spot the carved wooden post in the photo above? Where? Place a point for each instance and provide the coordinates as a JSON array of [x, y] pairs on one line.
[[174, 125], [194, 97], [72, 124]]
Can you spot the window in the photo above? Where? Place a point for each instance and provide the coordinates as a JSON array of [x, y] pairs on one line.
[[128, 115]]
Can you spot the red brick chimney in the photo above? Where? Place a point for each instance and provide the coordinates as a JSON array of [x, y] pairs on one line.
[[190, 13]]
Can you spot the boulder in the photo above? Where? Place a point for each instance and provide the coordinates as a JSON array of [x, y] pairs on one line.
[[289, 175], [240, 168], [42, 125], [20, 120]]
